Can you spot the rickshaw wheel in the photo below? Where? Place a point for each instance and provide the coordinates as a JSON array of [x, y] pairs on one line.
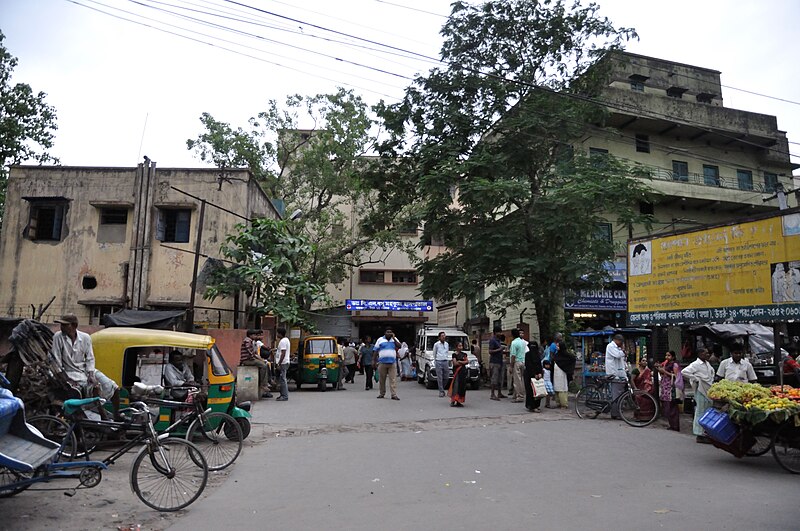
[[7, 477], [786, 448], [244, 423]]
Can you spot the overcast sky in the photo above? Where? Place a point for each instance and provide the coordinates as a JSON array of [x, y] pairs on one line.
[[123, 90]]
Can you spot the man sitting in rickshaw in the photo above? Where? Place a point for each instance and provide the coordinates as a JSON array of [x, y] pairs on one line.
[[178, 374]]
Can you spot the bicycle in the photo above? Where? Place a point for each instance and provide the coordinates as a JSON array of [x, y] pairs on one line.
[[594, 399], [217, 435], [167, 474]]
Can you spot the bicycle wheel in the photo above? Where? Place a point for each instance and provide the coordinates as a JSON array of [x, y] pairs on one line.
[[55, 429], [171, 481], [588, 402], [8, 478], [218, 436], [786, 447], [638, 408]]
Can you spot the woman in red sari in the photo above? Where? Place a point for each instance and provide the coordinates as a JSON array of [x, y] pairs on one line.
[[643, 380], [458, 386]]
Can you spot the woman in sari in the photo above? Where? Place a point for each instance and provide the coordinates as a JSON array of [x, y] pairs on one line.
[[671, 378], [404, 359], [563, 371], [533, 369], [643, 380], [458, 385]]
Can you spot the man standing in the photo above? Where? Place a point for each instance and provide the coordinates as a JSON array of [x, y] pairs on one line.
[[386, 348], [615, 366], [72, 352], [249, 355], [282, 359], [441, 356], [700, 374], [365, 360], [517, 359], [737, 368], [350, 355], [496, 349]]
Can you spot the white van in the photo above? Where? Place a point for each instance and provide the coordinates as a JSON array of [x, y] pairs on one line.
[[426, 368]]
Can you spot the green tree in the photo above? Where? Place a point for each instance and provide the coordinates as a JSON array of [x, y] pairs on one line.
[[494, 127], [27, 123], [267, 255], [309, 155]]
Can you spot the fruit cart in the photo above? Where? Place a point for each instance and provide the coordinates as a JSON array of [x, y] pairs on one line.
[[593, 347], [750, 420]]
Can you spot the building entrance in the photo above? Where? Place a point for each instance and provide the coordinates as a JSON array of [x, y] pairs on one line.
[[403, 331]]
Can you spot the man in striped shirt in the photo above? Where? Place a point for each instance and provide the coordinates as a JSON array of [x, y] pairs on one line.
[[248, 355]]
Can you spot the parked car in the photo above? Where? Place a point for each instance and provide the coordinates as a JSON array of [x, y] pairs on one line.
[[426, 368]]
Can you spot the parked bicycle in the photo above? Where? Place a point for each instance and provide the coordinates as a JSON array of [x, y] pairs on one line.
[[167, 474], [636, 407], [217, 435]]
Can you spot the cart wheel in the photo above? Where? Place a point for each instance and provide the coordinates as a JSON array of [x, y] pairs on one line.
[[786, 447], [8, 478], [763, 445]]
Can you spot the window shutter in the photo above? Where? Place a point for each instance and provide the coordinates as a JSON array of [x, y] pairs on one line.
[[161, 225], [58, 221], [33, 222]]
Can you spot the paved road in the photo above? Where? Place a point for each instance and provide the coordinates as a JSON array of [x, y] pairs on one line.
[[344, 460]]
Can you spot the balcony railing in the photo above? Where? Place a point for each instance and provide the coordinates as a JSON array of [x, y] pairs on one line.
[[732, 183]]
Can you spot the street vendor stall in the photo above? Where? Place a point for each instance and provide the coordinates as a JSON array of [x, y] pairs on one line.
[[593, 347], [749, 419]]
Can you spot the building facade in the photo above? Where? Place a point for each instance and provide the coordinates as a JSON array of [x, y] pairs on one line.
[[91, 241]]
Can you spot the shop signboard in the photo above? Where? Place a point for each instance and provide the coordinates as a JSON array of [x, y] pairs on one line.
[[389, 305], [739, 272], [597, 299]]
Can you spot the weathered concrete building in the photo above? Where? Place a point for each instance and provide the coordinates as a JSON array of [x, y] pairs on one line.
[[706, 163], [93, 240]]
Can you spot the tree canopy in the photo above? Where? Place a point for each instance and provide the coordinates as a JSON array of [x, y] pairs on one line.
[[309, 155], [27, 123], [486, 143]]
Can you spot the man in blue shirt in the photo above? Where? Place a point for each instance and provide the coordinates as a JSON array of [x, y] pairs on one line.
[[386, 348]]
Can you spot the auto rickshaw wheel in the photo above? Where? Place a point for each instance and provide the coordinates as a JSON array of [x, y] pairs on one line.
[[298, 383], [244, 423]]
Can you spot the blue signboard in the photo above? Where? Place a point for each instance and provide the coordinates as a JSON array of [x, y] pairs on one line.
[[397, 306], [597, 299]]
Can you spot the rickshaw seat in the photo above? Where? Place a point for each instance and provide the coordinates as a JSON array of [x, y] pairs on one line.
[[77, 404], [23, 449]]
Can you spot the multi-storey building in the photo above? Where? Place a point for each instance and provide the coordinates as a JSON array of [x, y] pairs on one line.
[[90, 241], [705, 162]]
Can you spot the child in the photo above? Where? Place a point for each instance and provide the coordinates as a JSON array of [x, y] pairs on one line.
[[548, 382]]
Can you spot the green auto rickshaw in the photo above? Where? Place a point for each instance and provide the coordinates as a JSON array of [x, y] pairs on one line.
[[318, 362]]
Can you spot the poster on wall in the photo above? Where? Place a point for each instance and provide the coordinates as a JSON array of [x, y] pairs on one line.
[[738, 272]]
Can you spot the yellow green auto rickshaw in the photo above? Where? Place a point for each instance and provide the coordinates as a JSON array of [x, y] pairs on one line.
[[318, 362], [129, 355]]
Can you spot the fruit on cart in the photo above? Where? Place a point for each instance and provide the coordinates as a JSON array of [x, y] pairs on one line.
[[737, 391], [786, 391], [771, 404]]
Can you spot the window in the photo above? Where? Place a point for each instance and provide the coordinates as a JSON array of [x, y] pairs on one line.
[[113, 216], [637, 82], [173, 225], [96, 312], [46, 221], [404, 277], [370, 276], [648, 209], [676, 92], [409, 228], [745, 178], [711, 175], [642, 144], [113, 226], [770, 181], [604, 232], [705, 97], [680, 171], [597, 152]]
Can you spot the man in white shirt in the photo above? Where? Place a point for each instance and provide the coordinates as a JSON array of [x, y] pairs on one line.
[[615, 366], [700, 374], [442, 356], [737, 368], [282, 360], [72, 353]]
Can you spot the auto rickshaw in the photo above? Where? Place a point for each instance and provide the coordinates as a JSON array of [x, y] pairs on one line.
[[318, 362], [129, 355]]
